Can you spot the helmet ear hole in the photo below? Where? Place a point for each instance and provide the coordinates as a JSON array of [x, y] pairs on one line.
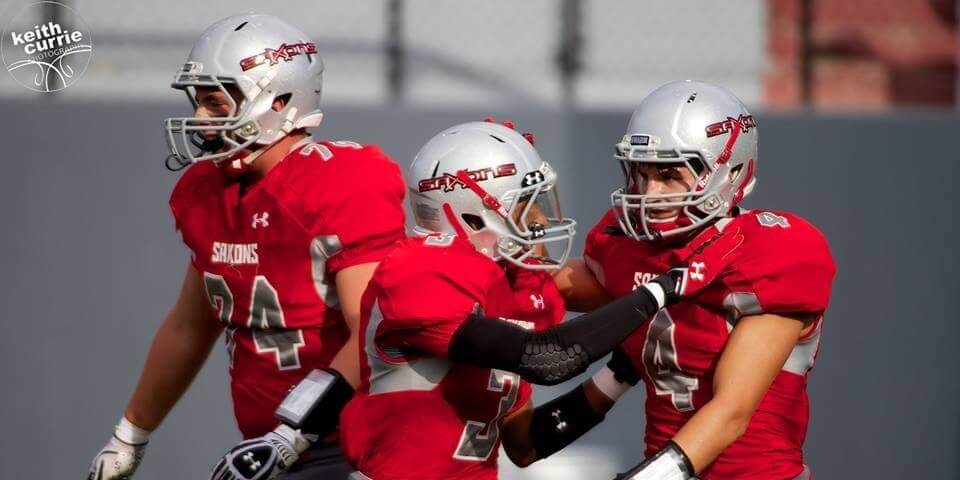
[[474, 221], [281, 102], [735, 173]]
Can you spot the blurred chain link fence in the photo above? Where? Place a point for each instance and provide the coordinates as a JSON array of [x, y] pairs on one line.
[[592, 54]]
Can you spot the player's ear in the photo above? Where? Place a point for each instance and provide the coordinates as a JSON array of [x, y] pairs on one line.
[[281, 101]]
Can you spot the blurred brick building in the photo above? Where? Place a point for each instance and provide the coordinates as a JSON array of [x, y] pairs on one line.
[[862, 54]]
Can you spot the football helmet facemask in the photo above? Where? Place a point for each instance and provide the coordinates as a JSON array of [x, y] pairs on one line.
[[696, 127], [486, 182], [264, 59]]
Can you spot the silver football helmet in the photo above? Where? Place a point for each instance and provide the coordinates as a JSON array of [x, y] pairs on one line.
[[693, 125], [486, 181], [262, 57]]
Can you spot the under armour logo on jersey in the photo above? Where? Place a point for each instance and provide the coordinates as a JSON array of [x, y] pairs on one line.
[[532, 178], [697, 269], [768, 219], [260, 220], [538, 302], [253, 464], [561, 425]]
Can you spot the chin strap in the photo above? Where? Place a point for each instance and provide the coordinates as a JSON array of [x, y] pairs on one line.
[[454, 222], [488, 200]]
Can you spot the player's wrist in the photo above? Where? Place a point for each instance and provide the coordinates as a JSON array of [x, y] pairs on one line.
[[129, 433], [312, 407], [670, 463], [666, 288], [295, 438], [607, 383], [657, 291]]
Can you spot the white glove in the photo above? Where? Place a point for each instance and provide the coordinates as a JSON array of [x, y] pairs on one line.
[[262, 458], [122, 454]]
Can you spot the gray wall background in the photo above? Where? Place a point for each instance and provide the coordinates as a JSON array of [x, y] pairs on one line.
[[91, 263]]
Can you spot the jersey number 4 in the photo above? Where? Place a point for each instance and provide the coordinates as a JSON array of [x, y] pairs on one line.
[[663, 368], [270, 333]]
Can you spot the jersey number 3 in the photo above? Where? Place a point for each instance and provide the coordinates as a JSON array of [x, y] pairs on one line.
[[479, 439], [270, 334]]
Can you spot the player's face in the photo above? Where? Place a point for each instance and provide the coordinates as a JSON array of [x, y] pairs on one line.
[[212, 103], [654, 178], [533, 215]]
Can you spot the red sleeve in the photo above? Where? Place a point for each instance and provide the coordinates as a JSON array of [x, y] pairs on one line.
[[363, 207], [535, 298], [785, 263], [596, 244], [422, 312]]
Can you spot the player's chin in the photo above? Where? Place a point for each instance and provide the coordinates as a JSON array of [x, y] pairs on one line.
[[233, 166], [662, 215]]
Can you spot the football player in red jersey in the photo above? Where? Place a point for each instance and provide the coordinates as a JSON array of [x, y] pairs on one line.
[[726, 367], [284, 233], [448, 316], [430, 405]]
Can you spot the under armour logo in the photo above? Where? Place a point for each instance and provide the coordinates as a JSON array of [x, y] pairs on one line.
[[561, 425], [768, 219], [260, 220], [538, 302], [697, 273], [253, 464], [532, 178]]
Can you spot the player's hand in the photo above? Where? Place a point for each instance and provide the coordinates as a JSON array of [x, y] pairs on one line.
[[116, 461], [262, 458], [669, 287]]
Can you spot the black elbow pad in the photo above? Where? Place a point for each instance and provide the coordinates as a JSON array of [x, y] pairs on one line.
[[544, 357], [548, 359]]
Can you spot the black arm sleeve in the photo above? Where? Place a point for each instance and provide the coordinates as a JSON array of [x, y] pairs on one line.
[[562, 352], [560, 421]]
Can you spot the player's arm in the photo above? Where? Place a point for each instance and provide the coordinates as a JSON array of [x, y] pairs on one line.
[[179, 349], [351, 282], [579, 286], [532, 434], [564, 351], [309, 412], [755, 352]]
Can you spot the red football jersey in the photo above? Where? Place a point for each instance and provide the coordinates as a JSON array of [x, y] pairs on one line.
[[417, 415], [757, 262], [268, 257]]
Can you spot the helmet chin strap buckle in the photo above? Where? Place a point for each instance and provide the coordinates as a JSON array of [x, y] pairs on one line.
[[248, 130], [508, 246]]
